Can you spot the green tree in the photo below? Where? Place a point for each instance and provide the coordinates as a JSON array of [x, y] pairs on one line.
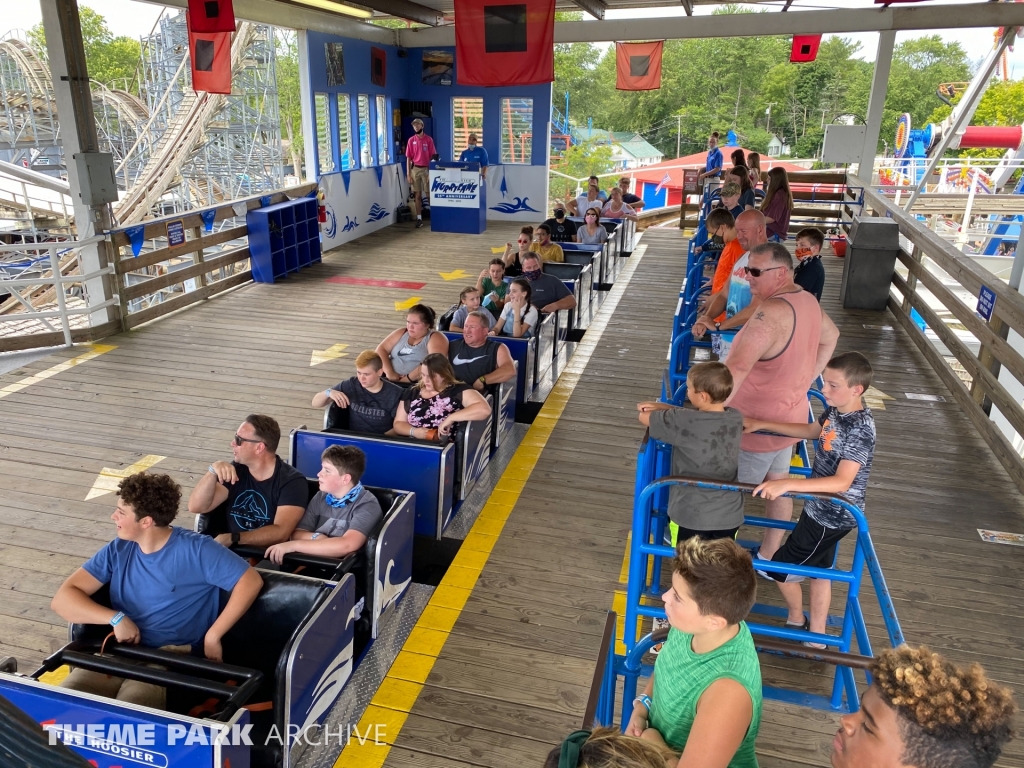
[[575, 72], [113, 61], [1001, 104], [919, 66], [289, 107], [579, 161]]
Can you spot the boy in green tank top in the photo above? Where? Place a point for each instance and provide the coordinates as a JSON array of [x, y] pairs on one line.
[[704, 698]]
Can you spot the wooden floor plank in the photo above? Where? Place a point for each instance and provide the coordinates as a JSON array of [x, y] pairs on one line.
[[515, 672]]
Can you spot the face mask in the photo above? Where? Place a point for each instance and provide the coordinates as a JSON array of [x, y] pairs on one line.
[[803, 253], [532, 275], [559, 214], [418, 130]]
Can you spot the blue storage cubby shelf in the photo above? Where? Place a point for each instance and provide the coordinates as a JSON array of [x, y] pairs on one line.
[[283, 238]]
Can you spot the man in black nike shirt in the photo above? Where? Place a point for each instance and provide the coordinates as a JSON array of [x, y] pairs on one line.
[[479, 360]]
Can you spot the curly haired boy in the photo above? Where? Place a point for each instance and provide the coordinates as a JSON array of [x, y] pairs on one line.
[[923, 711]]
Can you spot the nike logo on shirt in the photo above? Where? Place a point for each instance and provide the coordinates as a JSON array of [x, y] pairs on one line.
[[462, 361]]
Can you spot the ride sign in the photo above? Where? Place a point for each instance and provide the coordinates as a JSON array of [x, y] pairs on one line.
[[986, 302], [454, 189]]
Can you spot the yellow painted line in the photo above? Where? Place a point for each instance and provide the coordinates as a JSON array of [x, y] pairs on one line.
[[95, 351], [405, 679], [109, 480]]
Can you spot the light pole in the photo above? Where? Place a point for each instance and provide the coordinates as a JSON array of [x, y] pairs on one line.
[[768, 111]]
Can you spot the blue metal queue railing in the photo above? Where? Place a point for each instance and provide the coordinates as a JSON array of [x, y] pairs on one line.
[[647, 552]]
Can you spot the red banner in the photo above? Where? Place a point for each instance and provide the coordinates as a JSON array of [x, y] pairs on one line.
[[378, 68], [502, 43], [638, 66], [211, 16], [805, 48], [210, 54]]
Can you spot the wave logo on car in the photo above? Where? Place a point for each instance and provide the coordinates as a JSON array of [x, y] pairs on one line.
[[517, 205], [333, 679]]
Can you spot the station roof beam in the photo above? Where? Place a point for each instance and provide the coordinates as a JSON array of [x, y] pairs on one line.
[[595, 8]]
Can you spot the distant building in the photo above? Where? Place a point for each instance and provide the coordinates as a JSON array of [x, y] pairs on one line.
[[629, 150], [777, 148]]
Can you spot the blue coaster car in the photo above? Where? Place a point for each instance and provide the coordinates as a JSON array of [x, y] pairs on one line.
[[285, 663]]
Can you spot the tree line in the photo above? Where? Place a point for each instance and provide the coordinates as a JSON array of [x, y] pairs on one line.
[[750, 86]]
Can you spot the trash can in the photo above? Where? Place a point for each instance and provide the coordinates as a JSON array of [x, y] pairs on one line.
[[869, 263]]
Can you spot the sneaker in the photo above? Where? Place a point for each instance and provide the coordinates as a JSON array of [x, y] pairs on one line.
[[790, 578], [419, 223]]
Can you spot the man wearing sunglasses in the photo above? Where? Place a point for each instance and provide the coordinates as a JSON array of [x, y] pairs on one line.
[[735, 298], [263, 497], [774, 359]]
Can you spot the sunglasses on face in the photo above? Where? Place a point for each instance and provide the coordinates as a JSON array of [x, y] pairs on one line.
[[591, 215], [755, 272], [239, 440], [524, 242]]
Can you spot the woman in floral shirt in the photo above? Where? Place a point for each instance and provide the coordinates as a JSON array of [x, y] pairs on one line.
[[437, 401]]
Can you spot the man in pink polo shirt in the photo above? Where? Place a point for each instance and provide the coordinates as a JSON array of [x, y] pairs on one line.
[[418, 152]]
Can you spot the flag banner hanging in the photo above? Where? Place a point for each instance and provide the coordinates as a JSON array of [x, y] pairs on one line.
[[504, 43], [208, 217], [211, 16], [805, 48], [378, 66], [638, 66], [380, 174], [210, 54], [136, 236]]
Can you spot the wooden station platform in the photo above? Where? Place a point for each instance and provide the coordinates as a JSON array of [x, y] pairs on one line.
[[507, 662]]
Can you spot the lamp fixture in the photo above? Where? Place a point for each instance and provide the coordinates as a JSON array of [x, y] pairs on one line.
[[333, 7]]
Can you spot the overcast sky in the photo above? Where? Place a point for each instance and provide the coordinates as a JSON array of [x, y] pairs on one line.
[[136, 19]]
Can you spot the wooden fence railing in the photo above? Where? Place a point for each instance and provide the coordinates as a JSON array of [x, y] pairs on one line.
[[930, 256], [816, 195], [161, 281]]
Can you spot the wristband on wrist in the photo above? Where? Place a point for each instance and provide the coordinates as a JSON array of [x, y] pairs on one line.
[[327, 392], [117, 619], [236, 538], [644, 699], [211, 469]]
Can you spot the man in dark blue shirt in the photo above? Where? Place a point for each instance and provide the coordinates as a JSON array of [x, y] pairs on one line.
[[713, 166], [473, 153]]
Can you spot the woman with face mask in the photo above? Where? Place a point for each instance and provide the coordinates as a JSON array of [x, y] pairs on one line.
[[592, 233]]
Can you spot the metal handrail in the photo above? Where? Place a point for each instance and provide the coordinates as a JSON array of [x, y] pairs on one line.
[[645, 525], [57, 281]]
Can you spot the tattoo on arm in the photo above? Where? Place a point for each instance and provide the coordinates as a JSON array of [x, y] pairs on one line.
[[759, 315]]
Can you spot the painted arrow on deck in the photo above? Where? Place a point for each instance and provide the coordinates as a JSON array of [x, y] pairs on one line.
[[108, 479], [411, 301], [875, 399], [333, 352], [458, 274]]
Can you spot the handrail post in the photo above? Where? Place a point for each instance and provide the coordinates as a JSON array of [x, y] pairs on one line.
[[58, 289]]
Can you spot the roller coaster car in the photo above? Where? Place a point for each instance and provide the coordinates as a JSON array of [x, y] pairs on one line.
[[382, 568], [285, 663], [439, 474]]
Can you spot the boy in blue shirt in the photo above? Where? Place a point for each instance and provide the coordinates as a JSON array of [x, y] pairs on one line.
[[146, 558], [845, 447]]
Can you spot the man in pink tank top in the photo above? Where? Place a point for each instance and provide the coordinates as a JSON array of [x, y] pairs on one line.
[[774, 359]]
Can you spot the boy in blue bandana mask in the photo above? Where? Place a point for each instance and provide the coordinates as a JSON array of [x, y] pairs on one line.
[[342, 516]]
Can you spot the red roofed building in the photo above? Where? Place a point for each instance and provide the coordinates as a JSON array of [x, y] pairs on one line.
[[650, 177]]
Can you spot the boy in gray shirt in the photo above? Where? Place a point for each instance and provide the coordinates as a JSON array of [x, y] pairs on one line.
[[706, 444], [342, 516]]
